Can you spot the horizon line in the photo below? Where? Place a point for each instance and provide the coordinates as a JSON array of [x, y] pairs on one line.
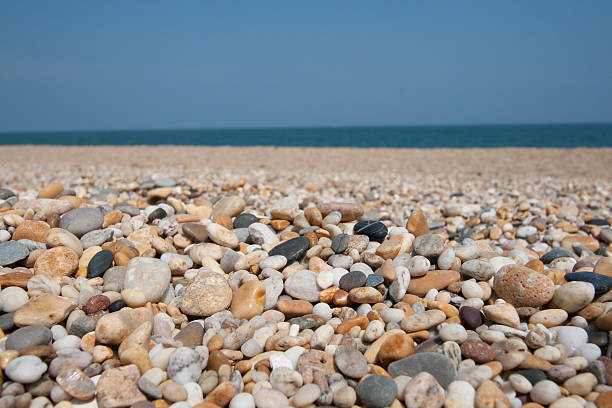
[[300, 127]]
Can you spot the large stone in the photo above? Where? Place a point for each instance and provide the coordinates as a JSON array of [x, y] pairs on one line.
[[249, 300], [114, 327], [11, 252], [82, 220], [438, 279], [206, 294], [74, 381], [523, 286], [303, 285], [118, 387], [28, 337]]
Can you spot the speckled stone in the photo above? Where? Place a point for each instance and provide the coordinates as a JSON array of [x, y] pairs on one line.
[[522, 286], [11, 252]]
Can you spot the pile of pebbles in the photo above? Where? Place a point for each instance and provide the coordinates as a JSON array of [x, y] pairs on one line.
[[304, 291]]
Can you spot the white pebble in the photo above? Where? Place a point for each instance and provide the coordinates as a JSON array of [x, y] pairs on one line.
[[12, 298], [325, 279], [471, 289]]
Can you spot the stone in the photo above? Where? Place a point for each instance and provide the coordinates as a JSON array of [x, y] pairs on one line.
[[352, 280], [340, 243], [270, 398], [573, 296], [395, 347], [502, 313], [477, 269], [231, 206], [470, 317], [249, 300], [196, 232], [436, 364], [59, 237], [422, 321], [114, 327], [365, 295], [99, 264], [437, 279], [96, 304], [460, 394], [74, 381], [581, 384], [206, 294], [113, 278], [44, 310], [417, 224], [350, 362], [428, 245], [12, 298], [374, 230], [571, 337], [262, 234], [293, 249], [58, 261], [184, 365], [549, 317], [244, 220], [510, 353], [423, 390], [221, 235], [553, 254], [28, 336], [149, 276], [348, 211], [80, 221], [545, 392], [11, 252], [477, 350], [376, 391], [522, 286], [191, 335], [489, 395], [118, 387], [96, 238], [33, 230], [303, 285], [25, 369], [601, 283]]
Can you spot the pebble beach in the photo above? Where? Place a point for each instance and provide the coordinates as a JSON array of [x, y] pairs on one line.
[[248, 277]]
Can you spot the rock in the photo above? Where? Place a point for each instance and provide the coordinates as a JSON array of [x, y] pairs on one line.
[[231, 206], [113, 278], [244, 220], [581, 384], [118, 387], [436, 364], [553, 254], [523, 286], [11, 252], [601, 283], [58, 261], [423, 320], [303, 285], [99, 264], [489, 395], [573, 296], [59, 237], [477, 269], [470, 317], [460, 394], [352, 280], [149, 276], [249, 300], [270, 398], [502, 313], [307, 395], [82, 220], [477, 350], [206, 294], [96, 238], [74, 381], [376, 391], [292, 249], [262, 234], [12, 298], [396, 347], [423, 390], [365, 295], [571, 337], [429, 245], [82, 325], [545, 392], [221, 235], [191, 335], [29, 336], [373, 280], [549, 317], [374, 230], [510, 353], [33, 230], [96, 304], [184, 365], [44, 310], [340, 243], [113, 328], [438, 279], [348, 211], [196, 232], [350, 362], [417, 224], [25, 369]]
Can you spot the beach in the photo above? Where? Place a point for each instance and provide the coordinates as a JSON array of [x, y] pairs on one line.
[[174, 276]]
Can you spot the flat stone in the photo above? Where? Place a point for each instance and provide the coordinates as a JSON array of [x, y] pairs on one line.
[[553, 254], [374, 280], [96, 237], [436, 364], [340, 243], [601, 283], [32, 230], [352, 280], [573, 296], [231, 206], [437, 279], [292, 249], [25, 369], [206, 294], [196, 232], [44, 310], [244, 220], [191, 335], [376, 391], [11, 252], [28, 337], [82, 220], [428, 245], [99, 263], [375, 230], [348, 211]]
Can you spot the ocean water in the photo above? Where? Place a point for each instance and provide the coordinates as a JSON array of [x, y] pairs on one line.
[[571, 135]]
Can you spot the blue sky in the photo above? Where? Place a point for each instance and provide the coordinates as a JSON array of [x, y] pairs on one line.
[[191, 64]]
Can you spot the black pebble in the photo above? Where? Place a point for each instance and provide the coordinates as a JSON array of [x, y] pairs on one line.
[[157, 213], [116, 306], [99, 263]]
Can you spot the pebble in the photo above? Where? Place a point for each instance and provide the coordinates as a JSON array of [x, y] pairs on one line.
[[374, 230], [292, 249], [82, 220], [12, 298], [376, 391], [522, 286], [11, 252], [428, 245], [207, 294], [74, 381], [25, 369], [545, 392], [438, 365], [423, 390], [28, 336], [99, 264], [303, 285], [601, 283]]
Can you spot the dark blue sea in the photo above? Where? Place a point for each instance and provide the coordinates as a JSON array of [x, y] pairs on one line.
[[570, 135]]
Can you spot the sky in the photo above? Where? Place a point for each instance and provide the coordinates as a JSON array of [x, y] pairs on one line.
[[78, 65]]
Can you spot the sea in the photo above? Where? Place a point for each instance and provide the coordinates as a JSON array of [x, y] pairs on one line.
[[455, 136]]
